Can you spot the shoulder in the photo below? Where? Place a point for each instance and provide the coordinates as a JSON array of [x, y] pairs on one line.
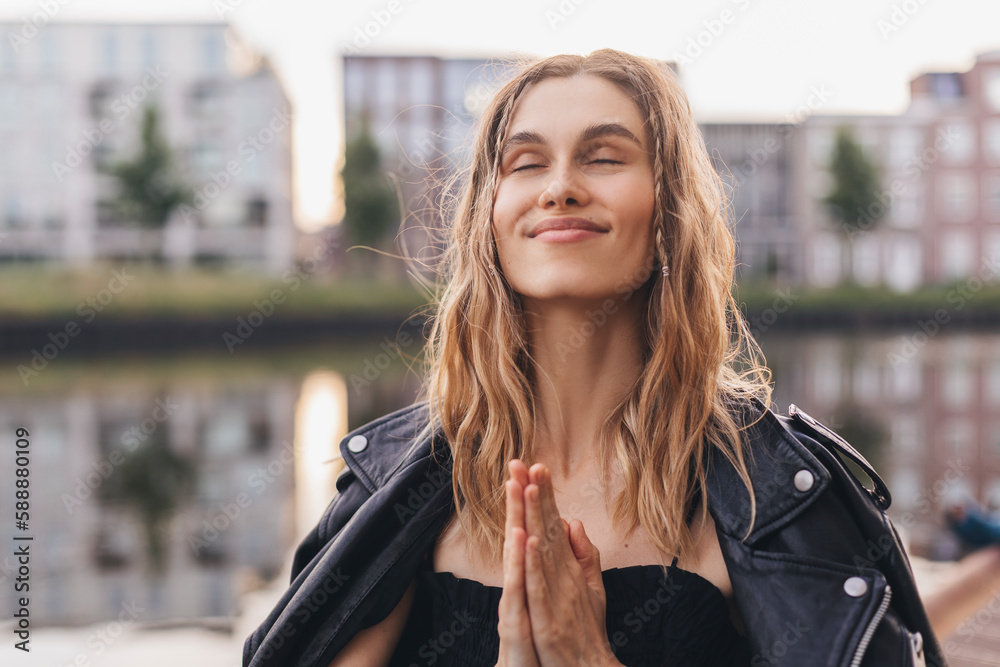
[[375, 451], [792, 462]]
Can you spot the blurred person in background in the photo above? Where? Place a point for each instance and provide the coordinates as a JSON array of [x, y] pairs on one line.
[[592, 474]]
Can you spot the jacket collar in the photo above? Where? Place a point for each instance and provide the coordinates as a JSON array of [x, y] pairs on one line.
[[786, 477]]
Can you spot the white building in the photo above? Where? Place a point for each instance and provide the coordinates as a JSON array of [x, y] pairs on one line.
[[72, 96]]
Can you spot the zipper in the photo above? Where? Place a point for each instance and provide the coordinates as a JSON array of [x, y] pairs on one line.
[[870, 630]]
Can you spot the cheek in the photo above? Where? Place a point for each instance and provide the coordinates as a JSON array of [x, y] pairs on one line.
[[507, 207]]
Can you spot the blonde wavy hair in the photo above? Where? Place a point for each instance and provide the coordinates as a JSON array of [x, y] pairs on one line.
[[699, 361]]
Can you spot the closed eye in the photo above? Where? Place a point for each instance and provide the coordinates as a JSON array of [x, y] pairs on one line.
[[605, 161], [526, 166]]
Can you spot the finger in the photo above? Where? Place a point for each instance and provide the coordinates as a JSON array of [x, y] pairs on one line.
[[518, 472], [515, 507], [513, 572], [551, 520], [535, 585], [586, 552]]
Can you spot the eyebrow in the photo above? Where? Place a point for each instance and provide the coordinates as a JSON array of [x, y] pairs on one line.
[[592, 132]]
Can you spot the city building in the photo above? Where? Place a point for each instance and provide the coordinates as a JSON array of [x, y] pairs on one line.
[[755, 162], [421, 111], [940, 172], [72, 96]]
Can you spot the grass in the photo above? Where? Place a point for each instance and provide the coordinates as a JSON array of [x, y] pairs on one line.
[[40, 291], [972, 295], [29, 292]]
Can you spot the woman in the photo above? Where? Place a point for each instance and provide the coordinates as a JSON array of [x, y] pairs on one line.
[[593, 477]]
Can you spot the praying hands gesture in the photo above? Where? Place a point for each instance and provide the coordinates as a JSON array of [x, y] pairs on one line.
[[552, 610]]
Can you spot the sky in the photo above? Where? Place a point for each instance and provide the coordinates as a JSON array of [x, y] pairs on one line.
[[752, 60]]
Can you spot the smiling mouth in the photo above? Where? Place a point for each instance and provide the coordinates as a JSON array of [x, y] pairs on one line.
[[587, 227]]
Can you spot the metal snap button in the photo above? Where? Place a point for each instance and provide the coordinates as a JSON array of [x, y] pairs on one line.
[[855, 587], [804, 480], [357, 443]]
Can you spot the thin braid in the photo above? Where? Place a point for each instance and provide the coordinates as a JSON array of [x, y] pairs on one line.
[[658, 194]]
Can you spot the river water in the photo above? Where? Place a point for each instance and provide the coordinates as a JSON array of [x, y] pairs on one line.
[[178, 484]]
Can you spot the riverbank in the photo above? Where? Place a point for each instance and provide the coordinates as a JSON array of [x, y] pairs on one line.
[[112, 308]]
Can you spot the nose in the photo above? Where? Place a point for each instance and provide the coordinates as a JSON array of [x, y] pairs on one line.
[[564, 188]]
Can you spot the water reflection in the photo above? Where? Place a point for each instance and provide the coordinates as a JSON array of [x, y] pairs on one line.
[[320, 423], [929, 410], [175, 484], [178, 483]]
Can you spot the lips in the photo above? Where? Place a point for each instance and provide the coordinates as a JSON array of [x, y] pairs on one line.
[[559, 224]]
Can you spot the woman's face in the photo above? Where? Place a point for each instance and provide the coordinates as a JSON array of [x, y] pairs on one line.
[[574, 206]]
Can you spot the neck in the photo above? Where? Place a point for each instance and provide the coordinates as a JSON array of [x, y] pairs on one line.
[[586, 356]]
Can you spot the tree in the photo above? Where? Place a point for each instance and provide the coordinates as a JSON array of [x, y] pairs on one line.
[[154, 482], [854, 202], [150, 187], [370, 203]]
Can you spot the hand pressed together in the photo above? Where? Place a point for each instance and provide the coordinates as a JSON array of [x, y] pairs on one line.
[[553, 605]]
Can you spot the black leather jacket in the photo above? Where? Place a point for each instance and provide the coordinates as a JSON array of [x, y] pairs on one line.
[[821, 579]]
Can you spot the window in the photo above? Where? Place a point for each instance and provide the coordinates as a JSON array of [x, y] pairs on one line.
[[907, 208], [957, 255], [48, 56], [991, 380], [991, 87], [956, 196], [991, 195], [906, 379], [12, 211], [991, 140], [214, 52], [904, 270], [149, 50], [826, 375], [109, 54], [256, 212], [10, 106], [963, 146], [821, 145], [957, 389], [958, 439], [905, 144], [205, 100], [866, 381], [907, 435], [826, 260], [866, 260]]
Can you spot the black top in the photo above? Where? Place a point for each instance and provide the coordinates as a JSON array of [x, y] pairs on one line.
[[680, 619]]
